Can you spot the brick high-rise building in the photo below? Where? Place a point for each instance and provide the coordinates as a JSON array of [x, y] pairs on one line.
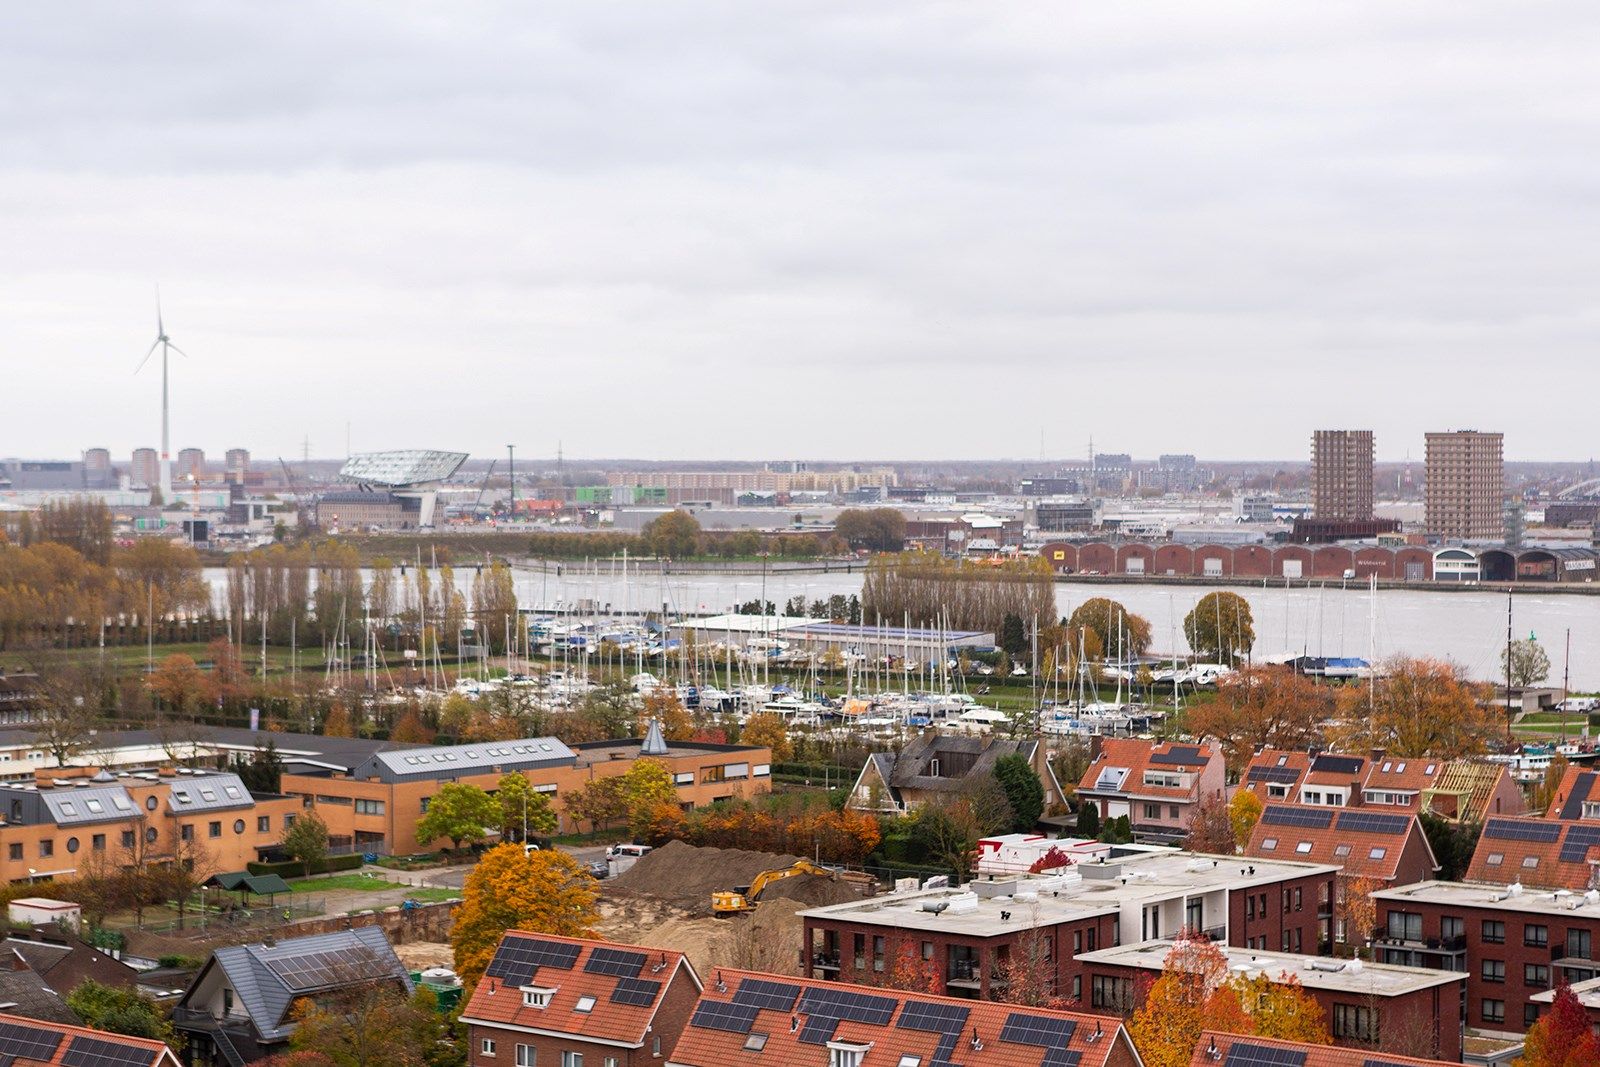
[[145, 469], [1341, 475], [1466, 485]]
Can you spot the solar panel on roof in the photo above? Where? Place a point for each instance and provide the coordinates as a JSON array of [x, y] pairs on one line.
[[29, 1042], [639, 992], [519, 957], [774, 996], [1522, 830], [1183, 755], [724, 1015], [1060, 1057], [1279, 775], [1573, 808], [937, 1018], [97, 1052], [1381, 1063], [1579, 840], [1337, 764], [945, 1049], [1287, 815], [1371, 822], [818, 1030], [1244, 1054], [615, 961], [843, 1004], [1025, 1029]]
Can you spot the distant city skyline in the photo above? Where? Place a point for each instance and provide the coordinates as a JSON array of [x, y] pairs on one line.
[[913, 232]]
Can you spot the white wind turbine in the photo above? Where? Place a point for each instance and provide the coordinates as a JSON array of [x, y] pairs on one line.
[[164, 343]]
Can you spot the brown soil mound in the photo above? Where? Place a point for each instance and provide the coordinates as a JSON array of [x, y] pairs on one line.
[[687, 876]]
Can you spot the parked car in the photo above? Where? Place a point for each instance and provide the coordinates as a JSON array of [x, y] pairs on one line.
[[600, 868]]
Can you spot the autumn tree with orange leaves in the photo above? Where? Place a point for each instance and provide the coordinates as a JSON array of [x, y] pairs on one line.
[[1278, 1007], [1263, 707], [1192, 994], [546, 892], [1562, 1037], [1417, 708], [905, 968], [1357, 908]]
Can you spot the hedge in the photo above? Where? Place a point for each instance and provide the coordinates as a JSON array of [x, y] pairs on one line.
[[294, 868]]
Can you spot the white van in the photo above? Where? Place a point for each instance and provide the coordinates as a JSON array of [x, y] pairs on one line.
[[621, 857]]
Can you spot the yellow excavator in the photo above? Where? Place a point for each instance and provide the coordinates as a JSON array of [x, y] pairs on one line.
[[744, 898]]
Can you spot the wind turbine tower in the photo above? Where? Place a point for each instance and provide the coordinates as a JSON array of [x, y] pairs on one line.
[[164, 343]]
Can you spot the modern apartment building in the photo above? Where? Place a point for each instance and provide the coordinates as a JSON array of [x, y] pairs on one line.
[[1341, 475], [1466, 483]]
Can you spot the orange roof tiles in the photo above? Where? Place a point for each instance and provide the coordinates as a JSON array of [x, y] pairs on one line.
[[1530, 850], [1138, 757], [496, 1000], [1403, 775], [1275, 766], [36, 1044], [899, 1029], [1315, 1055], [1577, 785], [1345, 841]]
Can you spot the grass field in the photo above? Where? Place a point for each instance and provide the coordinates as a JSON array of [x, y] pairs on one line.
[[358, 882]]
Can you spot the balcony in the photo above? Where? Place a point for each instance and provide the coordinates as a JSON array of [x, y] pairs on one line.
[[823, 962], [963, 974]]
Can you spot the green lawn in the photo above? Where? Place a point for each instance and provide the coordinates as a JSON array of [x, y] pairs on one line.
[[321, 884]]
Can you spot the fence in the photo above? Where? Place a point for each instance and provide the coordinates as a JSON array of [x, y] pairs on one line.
[[210, 917]]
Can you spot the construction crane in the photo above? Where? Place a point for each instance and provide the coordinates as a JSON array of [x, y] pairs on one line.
[[744, 898], [477, 505], [299, 502]]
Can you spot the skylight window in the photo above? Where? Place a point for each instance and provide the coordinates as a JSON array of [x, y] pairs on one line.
[[1430, 769], [233, 792], [1269, 844], [208, 795], [121, 803], [182, 797], [68, 808], [585, 1004], [94, 806], [411, 759], [1303, 847], [755, 1042], [1341, 850], [909, 1060], [1530, 861], [1378, 853]]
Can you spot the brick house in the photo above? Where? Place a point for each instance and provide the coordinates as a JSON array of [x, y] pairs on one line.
[[1545, 853], [548, 1001], [33, 1043], [1362, 1004], [1461, 790], [746, 1019], [938, 766], [971, 932], [1156, 785], [1216, 1047], [1390, 849], [1576, 798], [1511, 944]]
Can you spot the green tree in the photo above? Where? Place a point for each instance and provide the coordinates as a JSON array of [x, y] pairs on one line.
[[876, 529], [1013, 636], [1118, 629], [1088, 820], [675, 535], [647, 784], [263, 771], [307, 840], [598, 802], [120, 1010], [459, 812], [367, 1024], [1453, 845], [1528, 662], [1023, 790], [521, 806], [1221, 628]]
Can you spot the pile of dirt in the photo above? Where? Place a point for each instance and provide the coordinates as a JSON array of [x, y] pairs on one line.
[[686, 876], [420, 955]]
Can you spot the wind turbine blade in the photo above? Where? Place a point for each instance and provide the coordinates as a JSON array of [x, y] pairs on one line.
[[178, 350], [156, 344], [160, 329]]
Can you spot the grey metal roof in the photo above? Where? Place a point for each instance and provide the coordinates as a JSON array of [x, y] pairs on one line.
[[449, 761], [209, 792], [77, 806], [253, 972]]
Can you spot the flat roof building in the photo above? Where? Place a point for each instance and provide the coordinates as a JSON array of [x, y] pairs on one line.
[[1341, 475], [1466, 485]]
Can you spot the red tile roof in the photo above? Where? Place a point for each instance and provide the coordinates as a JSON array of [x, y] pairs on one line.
[[1275, 763], [780, 1028], [35, 1043], [1315, 1055], [1529, 850], [497, 1000], [1348, 841], [1138, 756], [1404, 775], [1577, 786]]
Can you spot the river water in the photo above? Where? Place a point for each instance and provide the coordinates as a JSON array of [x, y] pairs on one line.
[[1467, 627]]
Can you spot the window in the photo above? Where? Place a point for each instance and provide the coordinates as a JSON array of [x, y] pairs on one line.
[[536, 997], [611, 1061], [755, 1042], [127, 840], [1296, 898], [1152, 811], [1535, 936], [425, 802], [1530, 1014], [571, 1059], [214, 829], [1494, 932], [288, 820], [1355, 1022], [526, 1056], [69, 808], [1303, 847], [186, 832], [1114, 994], [711, 774], [909, 1060], [1578, 944], [585, 1004], [1269, 844], [1277, 792], [72, 844], [655, 1046], [1530, 861], [1312, 798], [15, 850], [263, 824], [488, 1046], [1536, 975], [1452, 926], [369, 807], [879, 948], [1495, 859], [1377, 853], [1405, 926], [209, 795], [233, 792], [1172, 811], [1494, 1011], [238, 826], [845, 1054], [47, 848], [99, 843], [1494, 970], [1341, 851]]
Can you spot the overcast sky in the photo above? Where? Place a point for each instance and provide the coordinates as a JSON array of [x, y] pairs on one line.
[[829, 230]]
